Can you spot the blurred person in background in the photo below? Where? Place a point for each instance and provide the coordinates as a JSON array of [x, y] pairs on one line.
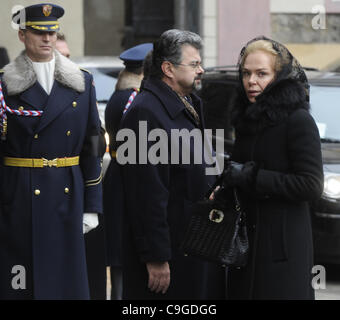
[[62, 46], [4, 59], [129, 82]]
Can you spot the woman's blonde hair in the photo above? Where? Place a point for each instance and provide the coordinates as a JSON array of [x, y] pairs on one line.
[[262, 45]]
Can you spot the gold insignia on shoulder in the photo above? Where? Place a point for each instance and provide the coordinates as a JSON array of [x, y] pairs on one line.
[[2, 71], [82, 69]]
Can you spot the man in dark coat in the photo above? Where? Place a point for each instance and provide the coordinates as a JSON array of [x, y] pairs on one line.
[[127, 87], [158, 194], [50, 167]]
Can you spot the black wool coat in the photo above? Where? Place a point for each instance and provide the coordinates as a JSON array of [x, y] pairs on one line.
[[279, 134], [158, 199], [112, 185]]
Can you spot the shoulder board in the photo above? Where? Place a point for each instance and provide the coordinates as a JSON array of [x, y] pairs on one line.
[[2, 71], [82, 69]]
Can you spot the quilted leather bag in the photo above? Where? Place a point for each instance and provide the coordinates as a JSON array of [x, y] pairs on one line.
[[217, 232]]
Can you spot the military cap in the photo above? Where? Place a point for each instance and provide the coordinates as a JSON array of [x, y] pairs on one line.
[[42, 17], [134, 57]]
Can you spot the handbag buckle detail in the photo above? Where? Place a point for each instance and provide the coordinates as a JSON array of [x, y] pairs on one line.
[[216, 216]]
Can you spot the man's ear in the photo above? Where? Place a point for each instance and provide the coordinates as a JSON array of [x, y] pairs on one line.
[[21, 35], [167, 68]]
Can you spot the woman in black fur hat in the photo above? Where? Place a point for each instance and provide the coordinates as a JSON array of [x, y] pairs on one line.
[[277, 169]]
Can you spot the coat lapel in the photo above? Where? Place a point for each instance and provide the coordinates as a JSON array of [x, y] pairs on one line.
[[59, 99], [35, 96], [170, 100]]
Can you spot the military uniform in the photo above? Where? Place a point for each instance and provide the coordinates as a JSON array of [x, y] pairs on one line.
[[127, 86], [50, 176]]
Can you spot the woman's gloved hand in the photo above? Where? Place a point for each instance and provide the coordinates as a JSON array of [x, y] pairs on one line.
[[240, 175]]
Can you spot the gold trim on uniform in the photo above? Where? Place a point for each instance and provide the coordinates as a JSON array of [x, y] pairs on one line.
[[90, 183], [41, 163], [39, 28], [84, 70], [44, 23]]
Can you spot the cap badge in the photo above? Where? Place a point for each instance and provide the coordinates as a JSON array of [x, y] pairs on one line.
[[47, 9]]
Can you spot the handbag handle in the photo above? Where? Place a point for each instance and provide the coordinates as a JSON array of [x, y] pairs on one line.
[[213, 187]]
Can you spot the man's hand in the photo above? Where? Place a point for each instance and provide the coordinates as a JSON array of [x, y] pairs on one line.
[[159, 276]]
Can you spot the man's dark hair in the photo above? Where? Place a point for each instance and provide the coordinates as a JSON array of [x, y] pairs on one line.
[[135, 70], [147, 64], [4, 59], [169, 48], [61, 36]]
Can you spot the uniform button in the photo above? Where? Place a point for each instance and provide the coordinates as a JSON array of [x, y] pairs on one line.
[[74, 104], [37, 192], [67, 190], [21, 108], [68, 133], [36, 136]]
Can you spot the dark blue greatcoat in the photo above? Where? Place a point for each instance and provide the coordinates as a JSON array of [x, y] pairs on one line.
[[43, 231], [112, 185], [158, 199]]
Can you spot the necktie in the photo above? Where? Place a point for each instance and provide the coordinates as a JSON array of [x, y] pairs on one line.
[[191, 109]]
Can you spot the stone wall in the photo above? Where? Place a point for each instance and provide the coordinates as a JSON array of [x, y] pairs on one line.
[[298, 28], [104, 27]]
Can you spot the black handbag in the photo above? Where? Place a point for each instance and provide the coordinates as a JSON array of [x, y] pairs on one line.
[[217, 231]]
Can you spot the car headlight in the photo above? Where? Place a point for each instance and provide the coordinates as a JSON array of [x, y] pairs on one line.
[[331, 185]]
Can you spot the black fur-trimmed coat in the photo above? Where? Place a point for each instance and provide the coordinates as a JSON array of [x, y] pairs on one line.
[[279, 134]]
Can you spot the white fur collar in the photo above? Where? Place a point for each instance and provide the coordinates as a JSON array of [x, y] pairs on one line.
[[19, 74], [128, 80]]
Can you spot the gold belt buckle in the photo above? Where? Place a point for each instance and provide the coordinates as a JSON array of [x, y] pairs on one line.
[[50, 163]]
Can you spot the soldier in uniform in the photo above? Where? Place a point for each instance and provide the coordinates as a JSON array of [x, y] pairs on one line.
[[50, 165], [128, 84]]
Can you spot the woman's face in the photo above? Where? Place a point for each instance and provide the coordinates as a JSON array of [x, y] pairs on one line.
[[258, 71]]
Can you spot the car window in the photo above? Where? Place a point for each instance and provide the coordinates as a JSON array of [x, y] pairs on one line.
[[325, 110], [105, 84]]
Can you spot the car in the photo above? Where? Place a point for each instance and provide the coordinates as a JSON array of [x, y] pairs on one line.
[[219, 89], [105, 71]]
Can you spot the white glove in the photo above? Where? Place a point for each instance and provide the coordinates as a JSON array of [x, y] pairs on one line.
[[90, 221]]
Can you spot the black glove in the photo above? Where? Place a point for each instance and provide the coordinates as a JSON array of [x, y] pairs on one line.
[[240, 175]]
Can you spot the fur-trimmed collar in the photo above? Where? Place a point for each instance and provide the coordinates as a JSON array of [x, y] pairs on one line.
[[271, 107], [19, 74], [128, 80]]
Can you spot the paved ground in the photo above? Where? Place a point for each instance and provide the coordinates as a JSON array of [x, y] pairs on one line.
[[332, 291]]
